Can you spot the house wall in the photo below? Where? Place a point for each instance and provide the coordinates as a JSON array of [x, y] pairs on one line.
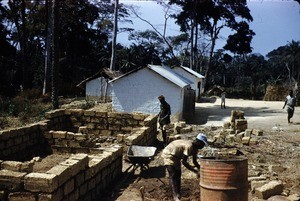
[[95, 88], [192, 78], [138, 92]]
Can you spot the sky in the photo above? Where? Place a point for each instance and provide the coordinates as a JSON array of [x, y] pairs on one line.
[[275, 22]]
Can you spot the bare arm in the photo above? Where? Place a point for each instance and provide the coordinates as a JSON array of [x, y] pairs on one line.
[[284, 104], [188, 166]]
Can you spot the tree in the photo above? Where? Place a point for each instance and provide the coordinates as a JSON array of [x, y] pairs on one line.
[[55, 53], [114, 38], [210, 17], [286, 61], [240, 42], [46, 84], [7, 57], [166, 40], [255, 67], [18, 14]]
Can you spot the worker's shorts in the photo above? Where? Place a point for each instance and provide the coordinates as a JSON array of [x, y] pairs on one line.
[[290, 112]]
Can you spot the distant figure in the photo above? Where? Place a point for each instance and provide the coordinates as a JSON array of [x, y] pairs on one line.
[[164, 117], [223, 96], [290, 102], [178, 151]]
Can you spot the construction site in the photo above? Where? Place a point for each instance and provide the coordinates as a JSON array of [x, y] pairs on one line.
[[77, 154]]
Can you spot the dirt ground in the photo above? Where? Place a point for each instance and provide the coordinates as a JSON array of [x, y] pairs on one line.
[[276, 156]]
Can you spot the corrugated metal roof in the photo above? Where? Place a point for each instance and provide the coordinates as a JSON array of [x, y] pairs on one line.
[[171, 75], [192, 72]]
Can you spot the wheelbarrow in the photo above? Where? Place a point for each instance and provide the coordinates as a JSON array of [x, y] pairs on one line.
[[140, 156]]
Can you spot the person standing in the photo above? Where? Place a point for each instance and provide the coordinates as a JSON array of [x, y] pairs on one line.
[[290, 102], [177, 151], [164, 117], [223, 96]]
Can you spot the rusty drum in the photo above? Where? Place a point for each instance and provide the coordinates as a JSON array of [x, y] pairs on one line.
[[224, 179]]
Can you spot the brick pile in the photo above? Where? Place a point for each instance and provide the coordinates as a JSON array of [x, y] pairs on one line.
[[236, 131]]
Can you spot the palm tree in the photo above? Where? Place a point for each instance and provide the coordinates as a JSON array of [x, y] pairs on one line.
[[292, 57]]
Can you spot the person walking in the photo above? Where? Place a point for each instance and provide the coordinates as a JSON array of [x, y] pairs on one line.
[[223, 96], [290, 102], [164, 117], [178, 151]]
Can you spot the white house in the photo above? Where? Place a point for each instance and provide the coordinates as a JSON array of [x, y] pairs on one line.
[[192, 75], [137, 91], [95, 85]]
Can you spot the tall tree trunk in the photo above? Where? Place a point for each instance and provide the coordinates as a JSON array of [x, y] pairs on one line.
[[55, 54], [19, 19], [24, 50], [114, 39], [46, 86], [192, 46]]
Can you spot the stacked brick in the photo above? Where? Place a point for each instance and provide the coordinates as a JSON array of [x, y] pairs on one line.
[[238, 121], [80, 177], [21, 143], [92, 127], [236, 131], [98, 123]]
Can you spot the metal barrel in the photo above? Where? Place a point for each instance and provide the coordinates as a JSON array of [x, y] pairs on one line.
[[224, 179]]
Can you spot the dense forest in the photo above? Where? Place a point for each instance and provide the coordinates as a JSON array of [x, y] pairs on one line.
[[51, 46]]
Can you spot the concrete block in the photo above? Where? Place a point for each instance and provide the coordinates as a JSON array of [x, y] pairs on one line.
[[257, 178], [69, 187], [27, 167], [41, 182], [75, 165], [101, 114], [80, 137], [240, 136], [62, 172], [70, 135], [75, 195], [59, 134], [90, 113], [11, 165], [248, 132], [139, 116], [257, 132], [253, 141], [186, 129], [11, 180], [256, 184], [55, 196], [245, 140], [226, 125], [55, 113], [21, 196], [278, 198], [120, 138], [79, 179], [270, 189]]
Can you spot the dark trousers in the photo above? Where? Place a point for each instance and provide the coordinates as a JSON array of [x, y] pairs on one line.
[[174, 180]]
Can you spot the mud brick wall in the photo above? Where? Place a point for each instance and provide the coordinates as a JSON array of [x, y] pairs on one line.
[[81, 177], [22, 143], [73, 127]]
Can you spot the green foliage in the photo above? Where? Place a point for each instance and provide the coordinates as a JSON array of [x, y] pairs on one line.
[[28, 104]]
